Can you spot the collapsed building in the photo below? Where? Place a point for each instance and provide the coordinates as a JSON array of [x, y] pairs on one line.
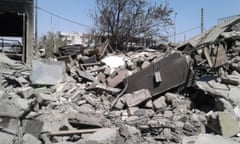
[[188, 94], [17, 21]]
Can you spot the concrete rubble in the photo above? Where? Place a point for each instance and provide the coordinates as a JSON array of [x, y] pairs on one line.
[[189, 94]]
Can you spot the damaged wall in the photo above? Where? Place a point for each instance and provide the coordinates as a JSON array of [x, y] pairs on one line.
[[17, 20]]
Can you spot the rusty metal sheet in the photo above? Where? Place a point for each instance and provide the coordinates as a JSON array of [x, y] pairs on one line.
[[175, 71], [117, 79], [92, 59]]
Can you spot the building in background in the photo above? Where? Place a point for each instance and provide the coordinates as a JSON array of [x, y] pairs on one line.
[[76, 38]]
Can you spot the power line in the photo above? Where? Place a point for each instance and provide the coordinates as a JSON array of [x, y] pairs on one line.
[[186, 31], [63, 18], [189, 30]]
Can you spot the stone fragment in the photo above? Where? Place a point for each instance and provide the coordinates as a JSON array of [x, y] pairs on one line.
[[101, 77], [11, 124], [137, 97], [132, 110], [207, 139], [149, 104], [6, 138], [234, 94], [29, 139], [87, 120], [86, 108], [145, 64], [223, 123], [103, 136], [14, 106], [102, 87], [160, 103], [222, 104], [44, 99], [33, 127], [120, 103], [25, 92], [87, 76], [168, 114], [113, 81], [144, 112], [229, 124], [130, 134]]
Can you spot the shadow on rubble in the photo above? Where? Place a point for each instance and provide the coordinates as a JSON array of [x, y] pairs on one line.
[[202, 101]]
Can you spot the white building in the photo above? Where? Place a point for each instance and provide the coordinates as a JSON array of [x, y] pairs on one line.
[[76, 38]]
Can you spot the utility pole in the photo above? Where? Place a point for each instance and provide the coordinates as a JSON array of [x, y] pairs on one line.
[[202, 20], [36, 23], [175, 27]]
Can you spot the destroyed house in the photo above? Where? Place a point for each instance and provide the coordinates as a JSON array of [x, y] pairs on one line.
[[17, 21]]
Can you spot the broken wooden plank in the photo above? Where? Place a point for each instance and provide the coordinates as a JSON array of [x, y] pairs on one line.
[[104, 88], [86, 75], [72, 132]]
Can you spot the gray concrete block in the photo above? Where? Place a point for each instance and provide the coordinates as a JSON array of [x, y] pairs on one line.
[[30, 139], [137, 97], [207, 139], [160, 103], [229, 124], [103, 136]]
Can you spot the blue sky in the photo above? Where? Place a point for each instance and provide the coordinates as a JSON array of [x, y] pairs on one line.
[[188, 14]]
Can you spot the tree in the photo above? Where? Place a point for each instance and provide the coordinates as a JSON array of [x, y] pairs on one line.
[[51, 42], [126, 19]]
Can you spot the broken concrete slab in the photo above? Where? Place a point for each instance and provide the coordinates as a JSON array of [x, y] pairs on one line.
[[132, 110], [160, 103], [29, 139], [113, 81], [222, 104], [137, 97], [86, 108], [213, 88], [9, 124], [14, 106], [207, 139], [229, 124], [103, 136], [87, 76], [88, 120], [47, 73], [234, 94], [6, 138], [149, 104], [120, 103], [44, 99], [33, 127], [25, 92], [103, 87], [130, 134], [223, 123], [144, 112]]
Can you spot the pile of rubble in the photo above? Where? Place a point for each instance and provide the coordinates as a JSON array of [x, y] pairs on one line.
[[188, 95]]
